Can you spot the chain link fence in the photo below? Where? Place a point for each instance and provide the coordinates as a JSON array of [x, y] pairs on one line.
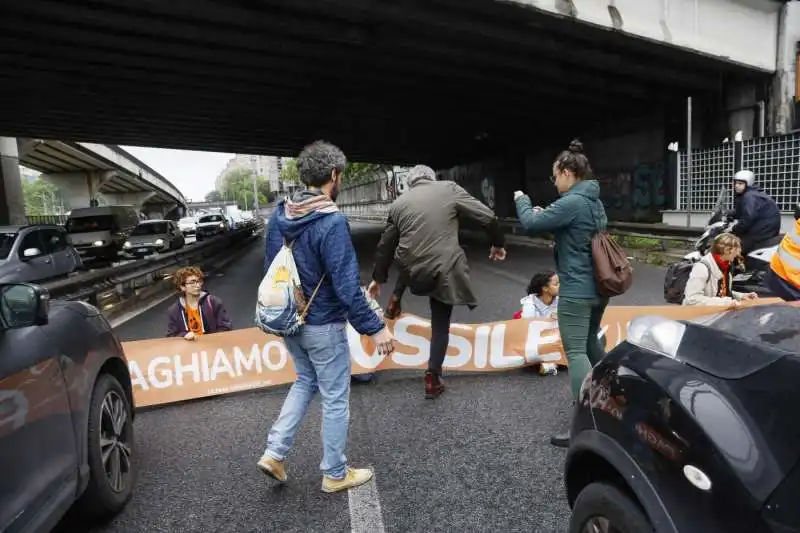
[[774, 160]]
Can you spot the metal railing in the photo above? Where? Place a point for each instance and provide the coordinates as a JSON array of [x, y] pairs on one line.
[[120, 282]]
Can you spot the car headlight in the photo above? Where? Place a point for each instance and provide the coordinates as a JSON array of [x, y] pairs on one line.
[[221, 224], [97, 243], [127, 245], [657, 334], [159, 242]]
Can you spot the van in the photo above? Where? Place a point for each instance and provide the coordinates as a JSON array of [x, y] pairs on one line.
[[101, 232]]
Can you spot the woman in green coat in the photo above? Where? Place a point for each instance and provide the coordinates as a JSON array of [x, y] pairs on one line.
[[573, 219]]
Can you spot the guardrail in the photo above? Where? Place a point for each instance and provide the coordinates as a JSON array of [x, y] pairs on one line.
[[662, 233], [121, 282]]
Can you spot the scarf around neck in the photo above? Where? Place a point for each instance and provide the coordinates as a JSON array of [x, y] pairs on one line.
[[320, 203]]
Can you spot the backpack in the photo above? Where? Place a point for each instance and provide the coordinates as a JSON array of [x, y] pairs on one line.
[[675, 280], [281, 298], [613, 272]]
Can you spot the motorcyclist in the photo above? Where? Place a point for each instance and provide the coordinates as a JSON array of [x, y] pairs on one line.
[[757, 216], [783, 276]]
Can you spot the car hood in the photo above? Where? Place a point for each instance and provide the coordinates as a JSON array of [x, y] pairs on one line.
[[740, 385], [146, 239]]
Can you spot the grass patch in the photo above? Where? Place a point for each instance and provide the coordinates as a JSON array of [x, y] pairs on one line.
[[646, 243]]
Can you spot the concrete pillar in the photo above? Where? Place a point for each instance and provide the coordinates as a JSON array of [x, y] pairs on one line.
[[12, 201], [780, 111], [79, 189]]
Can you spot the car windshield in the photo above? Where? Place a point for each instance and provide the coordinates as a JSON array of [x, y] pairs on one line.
[[6, 242], [211, 218], [188, 220], [775, 324], [88, 224], [150, 228]]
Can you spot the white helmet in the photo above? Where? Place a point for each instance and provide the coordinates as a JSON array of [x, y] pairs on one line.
[[746, 176]]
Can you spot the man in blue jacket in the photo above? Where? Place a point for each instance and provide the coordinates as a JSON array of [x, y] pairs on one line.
[[322, 249], [757, 216]]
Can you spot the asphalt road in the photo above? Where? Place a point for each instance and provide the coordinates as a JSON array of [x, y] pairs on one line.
[[478, 459]]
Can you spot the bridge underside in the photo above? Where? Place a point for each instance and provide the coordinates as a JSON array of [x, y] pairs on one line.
[[402, 81]]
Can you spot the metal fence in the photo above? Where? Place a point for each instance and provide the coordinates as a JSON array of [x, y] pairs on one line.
[[774, 160]]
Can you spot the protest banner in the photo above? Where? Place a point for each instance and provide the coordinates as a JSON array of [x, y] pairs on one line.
[[173, 369]]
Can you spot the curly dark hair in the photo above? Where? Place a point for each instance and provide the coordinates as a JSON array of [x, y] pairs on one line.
[[539, 281], [316, 162], [574, 160]]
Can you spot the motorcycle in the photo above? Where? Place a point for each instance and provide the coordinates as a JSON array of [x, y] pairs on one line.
[[750, 272]]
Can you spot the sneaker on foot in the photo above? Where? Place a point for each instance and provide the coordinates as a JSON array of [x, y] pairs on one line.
[[354, 478], [272, 467]]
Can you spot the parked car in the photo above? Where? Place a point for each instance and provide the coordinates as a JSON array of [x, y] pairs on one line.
[[691, 426], [66, 412], [188, 225], [100, 232], [38, 252], [152, 236], [211, 225]]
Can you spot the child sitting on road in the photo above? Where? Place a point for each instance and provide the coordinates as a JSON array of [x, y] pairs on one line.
[[541, 302], [196, 312], [542, 298]]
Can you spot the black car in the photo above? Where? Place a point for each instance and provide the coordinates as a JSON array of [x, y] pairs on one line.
[[66, 412], [691, 427]]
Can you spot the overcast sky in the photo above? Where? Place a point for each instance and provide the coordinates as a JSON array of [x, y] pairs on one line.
[[191, 172]]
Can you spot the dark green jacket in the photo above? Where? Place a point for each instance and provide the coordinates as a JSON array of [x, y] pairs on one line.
[[573, 219]]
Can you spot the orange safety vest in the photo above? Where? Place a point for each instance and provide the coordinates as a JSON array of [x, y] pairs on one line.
[[786, 262]]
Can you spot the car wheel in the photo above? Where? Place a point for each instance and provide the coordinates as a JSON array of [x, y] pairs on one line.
[[112, 461], [603, 508]]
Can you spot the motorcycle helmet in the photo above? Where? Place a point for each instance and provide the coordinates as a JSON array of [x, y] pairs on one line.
[[746, 176], [797, 211]]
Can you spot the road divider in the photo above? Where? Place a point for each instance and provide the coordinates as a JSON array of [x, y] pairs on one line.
[[116, 289], [173, 369]]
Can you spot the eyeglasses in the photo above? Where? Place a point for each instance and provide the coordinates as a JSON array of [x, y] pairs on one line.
[[193, 282]]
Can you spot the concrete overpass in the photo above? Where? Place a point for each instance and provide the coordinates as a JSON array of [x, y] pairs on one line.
[[447, 82], [107, 173]]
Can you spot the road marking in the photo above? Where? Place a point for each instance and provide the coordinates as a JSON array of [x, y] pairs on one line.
[[502, 273], [118, 321], [365, 508]]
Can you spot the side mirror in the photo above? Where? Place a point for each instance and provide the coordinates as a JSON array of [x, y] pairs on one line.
[[23, 305], [31, 252]]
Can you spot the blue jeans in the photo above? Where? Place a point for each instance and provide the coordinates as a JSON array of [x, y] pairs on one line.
[[321, 358]]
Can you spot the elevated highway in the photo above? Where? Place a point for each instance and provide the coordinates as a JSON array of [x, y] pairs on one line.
[[91, 171]]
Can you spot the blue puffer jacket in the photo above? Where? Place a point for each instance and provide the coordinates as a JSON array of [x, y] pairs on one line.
[[323, 246]]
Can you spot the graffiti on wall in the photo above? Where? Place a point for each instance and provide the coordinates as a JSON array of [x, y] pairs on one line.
[[648, 186], [635, 194]]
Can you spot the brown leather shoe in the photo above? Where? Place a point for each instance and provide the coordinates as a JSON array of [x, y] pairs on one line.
[[434, 385], [393, 309]]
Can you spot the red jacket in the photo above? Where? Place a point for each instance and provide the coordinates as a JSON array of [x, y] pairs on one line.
[[518, 314]]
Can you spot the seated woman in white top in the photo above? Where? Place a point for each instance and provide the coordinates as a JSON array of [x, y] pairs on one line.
[[710, 282], [541, 302]]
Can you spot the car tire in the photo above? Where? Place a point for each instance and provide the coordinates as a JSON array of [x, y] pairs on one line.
[[102, 500], [598, 501]]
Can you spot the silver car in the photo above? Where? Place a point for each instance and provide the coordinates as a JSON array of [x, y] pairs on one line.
[[152, 236], [38, 252]]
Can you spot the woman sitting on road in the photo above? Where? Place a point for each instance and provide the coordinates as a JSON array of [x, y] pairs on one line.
[[574, 219], [711, 279], [542, 298], [541, 302], [196, 312]]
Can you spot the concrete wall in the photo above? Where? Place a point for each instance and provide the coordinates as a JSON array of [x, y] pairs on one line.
[[628, 164], [743, 31]]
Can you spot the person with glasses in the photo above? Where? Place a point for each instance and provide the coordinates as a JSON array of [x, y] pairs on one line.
[[196, 312]]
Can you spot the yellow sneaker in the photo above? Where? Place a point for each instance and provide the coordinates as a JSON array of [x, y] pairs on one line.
[[272, 467], [354, 478]]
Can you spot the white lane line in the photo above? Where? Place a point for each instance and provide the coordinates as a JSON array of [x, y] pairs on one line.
[[365, 509], [118, 321]]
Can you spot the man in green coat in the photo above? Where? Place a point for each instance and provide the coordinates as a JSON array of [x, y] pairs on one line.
[[421, 235]]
